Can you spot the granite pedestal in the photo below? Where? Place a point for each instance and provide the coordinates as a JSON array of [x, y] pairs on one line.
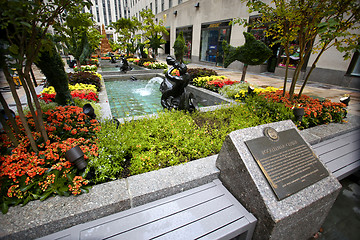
[[297, 216]]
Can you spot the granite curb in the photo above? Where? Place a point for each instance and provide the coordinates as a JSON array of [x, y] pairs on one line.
[[37, 219]]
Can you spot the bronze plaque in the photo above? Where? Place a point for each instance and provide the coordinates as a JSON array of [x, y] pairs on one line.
[[286, 160]]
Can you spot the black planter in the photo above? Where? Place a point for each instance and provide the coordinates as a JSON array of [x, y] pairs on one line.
[[76, 156], [298, 113], [89, 110]]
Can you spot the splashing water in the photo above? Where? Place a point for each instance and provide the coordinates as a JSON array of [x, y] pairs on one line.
[[152, 85]]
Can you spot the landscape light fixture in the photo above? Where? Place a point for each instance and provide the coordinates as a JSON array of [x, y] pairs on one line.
[[250, 90], [345, 100], [76, 155], [175, 13], [89, 110], [5, 116], [197, 5], [298, 113]]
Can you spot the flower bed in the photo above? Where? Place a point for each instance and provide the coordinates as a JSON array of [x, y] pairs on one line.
[[83, 68], [93, 78], [213, 83], [200, 72], [316, 112], [26, 175], [79, 90], [155, 65]]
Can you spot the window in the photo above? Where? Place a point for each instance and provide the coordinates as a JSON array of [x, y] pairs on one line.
[[151, 7], [109, 11], [212, 36], [156, 6], [354, 68], [179, 1], [170, 3], [104, 12], [162, 5]]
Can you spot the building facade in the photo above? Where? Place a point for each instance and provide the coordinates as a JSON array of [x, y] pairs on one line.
[[205, 24]]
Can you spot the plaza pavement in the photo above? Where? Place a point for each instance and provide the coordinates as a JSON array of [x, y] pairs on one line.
[[332, 92]]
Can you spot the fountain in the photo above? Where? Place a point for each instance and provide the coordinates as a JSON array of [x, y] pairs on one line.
[[124, 65], [150, 86]]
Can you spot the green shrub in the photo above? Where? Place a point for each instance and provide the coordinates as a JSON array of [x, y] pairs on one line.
[[85, 77], [267, 110], [173, 138], [230, 91]]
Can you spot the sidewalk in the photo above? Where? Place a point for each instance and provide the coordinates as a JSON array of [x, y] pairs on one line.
[[331, 92], [6, 93], [313, 89]]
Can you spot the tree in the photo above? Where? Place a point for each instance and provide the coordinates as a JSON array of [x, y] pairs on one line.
[[333, 22], [76, 39], [253, 52], [153, 32], [52, 65], [24, 25], [179, 47], [127, 30]]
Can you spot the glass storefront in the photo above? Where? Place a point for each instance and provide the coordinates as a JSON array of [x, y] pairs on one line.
[[187, 33], [212, 36]]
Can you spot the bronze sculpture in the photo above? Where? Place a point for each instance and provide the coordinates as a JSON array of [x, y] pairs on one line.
[[173, 88]]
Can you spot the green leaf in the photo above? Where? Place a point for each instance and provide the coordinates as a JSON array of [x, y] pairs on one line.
[[28, 199], [4, 208], [45, 195], [27, 187], [14, 49], [26, 24]]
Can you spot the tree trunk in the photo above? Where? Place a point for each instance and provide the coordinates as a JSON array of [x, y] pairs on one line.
[[286, 70], [29, 101], [39, 115], [244, 73], [15, 127], [19, 109], [313, 66], [8, 131]]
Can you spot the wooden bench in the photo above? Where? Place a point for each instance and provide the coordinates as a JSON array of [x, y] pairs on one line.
[[205, 212], [340, 154]]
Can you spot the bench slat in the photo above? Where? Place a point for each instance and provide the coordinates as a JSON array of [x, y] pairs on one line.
[[336, 142], [203, 229], [206, 211], [334, 154], [344, 160], [146, 216], [145, 229], [347, 171]]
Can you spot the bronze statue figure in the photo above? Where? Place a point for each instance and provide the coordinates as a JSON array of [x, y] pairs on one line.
[[174, 94]]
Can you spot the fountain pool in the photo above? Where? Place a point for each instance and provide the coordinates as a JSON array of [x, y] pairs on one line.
[[134, 98], [112, 68], [126, 98]]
